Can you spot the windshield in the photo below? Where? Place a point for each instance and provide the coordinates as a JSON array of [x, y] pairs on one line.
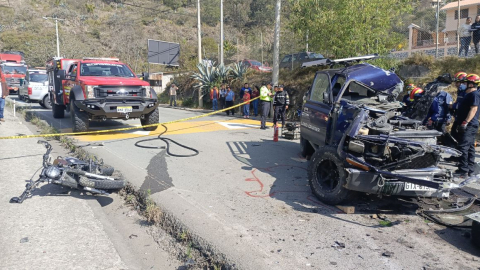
[[105, 70], [38, 77], [316, 56], [255, 63], [14, 69]]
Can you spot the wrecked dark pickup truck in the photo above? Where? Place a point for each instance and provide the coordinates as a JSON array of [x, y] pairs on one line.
[[357, 139]]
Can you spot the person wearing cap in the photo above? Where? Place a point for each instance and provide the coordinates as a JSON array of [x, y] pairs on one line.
[[280, 105], [467, 126], [229, 99], [265, 103], [173, 95]]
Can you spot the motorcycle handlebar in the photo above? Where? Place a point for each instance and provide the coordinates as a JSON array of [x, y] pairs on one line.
[[47, 154]]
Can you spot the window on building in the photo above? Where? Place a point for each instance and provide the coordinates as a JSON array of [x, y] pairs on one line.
[[463, 14]]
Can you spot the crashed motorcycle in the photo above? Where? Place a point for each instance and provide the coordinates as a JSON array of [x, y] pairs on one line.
[[91, 175]]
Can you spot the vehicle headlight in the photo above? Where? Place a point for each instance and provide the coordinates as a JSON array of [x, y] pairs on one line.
[[52, 172], [90, 89]]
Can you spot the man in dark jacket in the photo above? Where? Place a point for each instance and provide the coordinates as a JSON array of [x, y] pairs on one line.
[[4, 90], [280, 105], [439, 113], [467, 125]]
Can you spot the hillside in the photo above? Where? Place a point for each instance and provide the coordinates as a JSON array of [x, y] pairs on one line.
[[120, 28]]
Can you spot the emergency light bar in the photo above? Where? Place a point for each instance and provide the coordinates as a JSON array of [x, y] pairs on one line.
[[102, 59], [344, 61]]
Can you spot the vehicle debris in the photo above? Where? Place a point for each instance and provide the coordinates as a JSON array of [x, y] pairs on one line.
[[358, 140]]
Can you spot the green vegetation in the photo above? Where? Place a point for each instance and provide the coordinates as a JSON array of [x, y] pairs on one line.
[[352, 27], [385, 223]]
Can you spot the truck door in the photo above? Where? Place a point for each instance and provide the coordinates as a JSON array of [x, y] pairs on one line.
[[316, 110], [68, 84]]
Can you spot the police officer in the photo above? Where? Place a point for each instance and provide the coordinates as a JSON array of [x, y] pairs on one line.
[[280, 105], [461, 84], [467, 126], [265, 103], [439, 113]]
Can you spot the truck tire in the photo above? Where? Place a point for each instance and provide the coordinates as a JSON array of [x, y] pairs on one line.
[[101, 184], [79, 119], [151, 118], [306, 148], [46, 102], [327, 176], [58, 111], [21, 97]]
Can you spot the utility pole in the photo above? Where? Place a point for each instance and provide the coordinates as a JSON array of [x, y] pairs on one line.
[[261, 44], [200, 97], [199, 29], [56, 31], [438, 18], [221, 32], [306, 49], [276, 44], [458, 27]]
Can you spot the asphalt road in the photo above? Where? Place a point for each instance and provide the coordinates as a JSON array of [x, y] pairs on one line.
[[248, 198], [61, 228]]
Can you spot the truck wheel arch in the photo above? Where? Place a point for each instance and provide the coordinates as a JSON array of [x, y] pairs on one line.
[[77, 92]]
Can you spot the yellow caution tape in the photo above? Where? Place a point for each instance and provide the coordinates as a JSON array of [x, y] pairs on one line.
[[124, 129]]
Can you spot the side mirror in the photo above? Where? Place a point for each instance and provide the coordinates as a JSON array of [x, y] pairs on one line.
[[326, 97], [61, 74]]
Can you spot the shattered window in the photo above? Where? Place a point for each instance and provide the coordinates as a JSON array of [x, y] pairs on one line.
[[319, 87]]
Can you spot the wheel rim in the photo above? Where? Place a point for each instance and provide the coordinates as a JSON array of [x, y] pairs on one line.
[[327, 175]]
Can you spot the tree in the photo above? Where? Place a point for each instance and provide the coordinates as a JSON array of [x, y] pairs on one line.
[[210, 12], [349, 28], [262, 12]]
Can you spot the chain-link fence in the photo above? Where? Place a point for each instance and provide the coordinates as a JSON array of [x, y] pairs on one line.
[[437, 28]]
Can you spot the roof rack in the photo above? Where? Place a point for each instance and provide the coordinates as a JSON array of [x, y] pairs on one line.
[[102, 59], [344, 61]]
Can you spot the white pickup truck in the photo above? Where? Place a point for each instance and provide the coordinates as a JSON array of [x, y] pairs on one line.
[[35, 88]]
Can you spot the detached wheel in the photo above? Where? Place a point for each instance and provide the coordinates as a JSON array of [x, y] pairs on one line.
[[79, 119], [327, 176], [46, 103], [58, 111], [151, 118]]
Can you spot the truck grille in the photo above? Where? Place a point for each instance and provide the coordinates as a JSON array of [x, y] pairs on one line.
[[120, 91], [13, 81]]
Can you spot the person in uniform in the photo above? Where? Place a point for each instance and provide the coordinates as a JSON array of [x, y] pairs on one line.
[[467, 126]]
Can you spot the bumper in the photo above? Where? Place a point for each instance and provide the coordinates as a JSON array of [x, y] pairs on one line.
[[101, 108], [370, 182]]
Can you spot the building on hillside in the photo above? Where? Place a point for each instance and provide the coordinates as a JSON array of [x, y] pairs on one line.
[[421, 40]]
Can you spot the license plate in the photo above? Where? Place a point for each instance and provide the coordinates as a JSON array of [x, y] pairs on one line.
[[124, 109], [415, 187]]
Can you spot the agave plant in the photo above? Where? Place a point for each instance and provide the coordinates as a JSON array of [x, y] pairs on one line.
[[224, 73], [238, 71], [207, 77]]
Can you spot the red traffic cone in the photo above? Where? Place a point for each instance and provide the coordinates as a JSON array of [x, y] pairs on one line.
[[275, 133]]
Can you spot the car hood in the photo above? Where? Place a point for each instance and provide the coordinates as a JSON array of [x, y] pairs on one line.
[[375, 78], [92, 80]]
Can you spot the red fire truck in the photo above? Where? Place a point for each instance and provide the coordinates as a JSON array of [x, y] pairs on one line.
[[96, 89], [13, 69]]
